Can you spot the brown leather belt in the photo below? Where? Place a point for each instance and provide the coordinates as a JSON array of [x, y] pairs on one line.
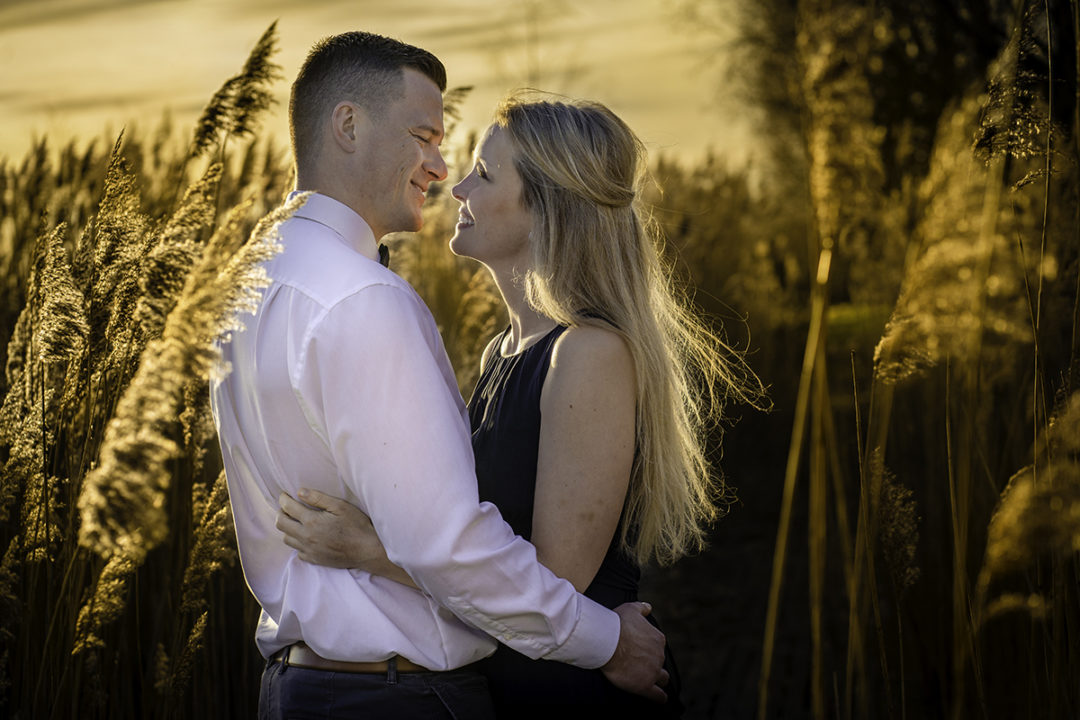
[[300, 655]]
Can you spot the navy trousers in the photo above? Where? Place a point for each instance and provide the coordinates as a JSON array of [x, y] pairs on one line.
[[295, 693]]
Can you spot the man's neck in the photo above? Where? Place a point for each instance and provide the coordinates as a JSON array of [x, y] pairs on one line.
[[332, 190]]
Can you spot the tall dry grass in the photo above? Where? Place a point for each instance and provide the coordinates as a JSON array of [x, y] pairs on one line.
[[119, 585], [952, 572], [115, 523]]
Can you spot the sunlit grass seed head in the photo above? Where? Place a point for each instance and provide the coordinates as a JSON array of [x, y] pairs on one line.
[[105, 605], [63, 325], [1035, 517], [174, 252], [123, 499], [212, 548], [1039, 511], [963, 296], [899, 530]]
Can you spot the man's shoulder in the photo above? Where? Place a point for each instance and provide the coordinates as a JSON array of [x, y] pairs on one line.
[[316, 263]]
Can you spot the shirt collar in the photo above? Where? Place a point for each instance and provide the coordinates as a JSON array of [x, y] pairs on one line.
[[342, 219]]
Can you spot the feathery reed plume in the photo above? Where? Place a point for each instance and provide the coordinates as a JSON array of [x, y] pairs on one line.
[[10, 606], [197, 423], [9, 583], [41, 517], [212, 548], [843, 141], [173, 253], [122, 502], [22, 381], [1038, 515], [1063, 432], [1012, 118], [63, 326], [235, 107], [22, 412], [51, 330], [25, 465], [117, 224], [105, 604], [104, 607], [1033, 604], [19, 352], [106, 263], [1033, 519], [963, 297], [179, 671], [899, 524], [9, 487]]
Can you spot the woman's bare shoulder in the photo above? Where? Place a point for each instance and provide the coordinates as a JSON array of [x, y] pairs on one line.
[[590, 344]]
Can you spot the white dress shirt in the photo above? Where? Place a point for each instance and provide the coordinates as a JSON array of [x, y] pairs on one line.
[[340, 382]]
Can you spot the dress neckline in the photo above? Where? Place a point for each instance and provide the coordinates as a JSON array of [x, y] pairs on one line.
[[530, 346]]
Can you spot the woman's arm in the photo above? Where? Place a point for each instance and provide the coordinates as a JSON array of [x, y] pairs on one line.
[[587, 438]]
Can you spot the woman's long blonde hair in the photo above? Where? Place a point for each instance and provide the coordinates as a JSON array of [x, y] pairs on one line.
[[597, 261]]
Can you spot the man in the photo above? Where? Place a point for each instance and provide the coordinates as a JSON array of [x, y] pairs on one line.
[[340, 382]]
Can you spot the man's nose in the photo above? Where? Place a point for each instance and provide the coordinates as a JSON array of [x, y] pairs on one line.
[[436, 166]]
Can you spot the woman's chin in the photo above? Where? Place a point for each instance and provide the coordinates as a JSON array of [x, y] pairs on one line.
[[457, 246]]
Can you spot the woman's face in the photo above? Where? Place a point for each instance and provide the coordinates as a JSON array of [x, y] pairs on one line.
[[493, 224]]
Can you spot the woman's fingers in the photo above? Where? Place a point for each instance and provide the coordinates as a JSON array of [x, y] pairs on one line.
[[291, 507], [292, 542], [288, 525], [319, 500]]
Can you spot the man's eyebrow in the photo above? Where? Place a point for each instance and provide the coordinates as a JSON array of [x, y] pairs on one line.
[[432, 131]]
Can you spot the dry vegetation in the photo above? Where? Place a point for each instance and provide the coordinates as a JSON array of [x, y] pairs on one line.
[[911, 277]]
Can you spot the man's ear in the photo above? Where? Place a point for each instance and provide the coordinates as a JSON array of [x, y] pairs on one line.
[[348, 125]]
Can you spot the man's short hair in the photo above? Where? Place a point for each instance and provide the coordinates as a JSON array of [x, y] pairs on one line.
[[360, 67]]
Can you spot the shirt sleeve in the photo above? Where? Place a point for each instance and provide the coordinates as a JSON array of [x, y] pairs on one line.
[[375, 372]]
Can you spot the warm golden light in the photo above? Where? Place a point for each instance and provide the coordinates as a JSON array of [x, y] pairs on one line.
[[84, 68]]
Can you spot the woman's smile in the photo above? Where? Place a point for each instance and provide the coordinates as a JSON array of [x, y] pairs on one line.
[[465, 220]]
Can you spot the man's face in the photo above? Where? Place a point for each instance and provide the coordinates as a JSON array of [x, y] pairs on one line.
[[404, 157]]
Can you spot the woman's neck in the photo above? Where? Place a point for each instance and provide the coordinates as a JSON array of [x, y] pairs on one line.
[[526, 325]]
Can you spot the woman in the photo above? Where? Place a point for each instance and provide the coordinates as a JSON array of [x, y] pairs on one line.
[[592, 408]]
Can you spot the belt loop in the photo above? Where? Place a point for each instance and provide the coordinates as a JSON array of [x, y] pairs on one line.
[[285, 659], [391, 670]]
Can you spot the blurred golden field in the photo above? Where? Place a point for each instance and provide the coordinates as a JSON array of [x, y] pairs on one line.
[[903, 270]]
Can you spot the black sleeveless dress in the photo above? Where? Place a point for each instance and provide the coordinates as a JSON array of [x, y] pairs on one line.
[[504, 412]]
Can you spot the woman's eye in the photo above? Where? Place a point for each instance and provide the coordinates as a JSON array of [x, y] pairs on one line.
[[481, 172]]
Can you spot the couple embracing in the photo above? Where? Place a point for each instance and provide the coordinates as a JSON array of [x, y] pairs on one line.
[[415, 557]]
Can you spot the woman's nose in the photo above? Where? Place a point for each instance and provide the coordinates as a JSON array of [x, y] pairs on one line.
[[458, 191]]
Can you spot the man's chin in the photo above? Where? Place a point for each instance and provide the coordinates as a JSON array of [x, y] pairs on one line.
[[410, 226], [416, 223]]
